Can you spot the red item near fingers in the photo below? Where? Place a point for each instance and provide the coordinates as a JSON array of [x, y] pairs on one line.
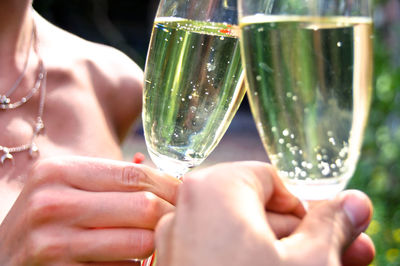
[[138, 158]]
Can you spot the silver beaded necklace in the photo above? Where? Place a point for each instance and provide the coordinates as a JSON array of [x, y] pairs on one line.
[[39, 124], [5, 98]]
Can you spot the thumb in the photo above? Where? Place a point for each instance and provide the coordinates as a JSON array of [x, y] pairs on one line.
[[164, 239], [328, 229]]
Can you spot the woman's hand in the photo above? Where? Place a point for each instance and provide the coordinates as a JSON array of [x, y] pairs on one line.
[[79, 210], [235, 214]]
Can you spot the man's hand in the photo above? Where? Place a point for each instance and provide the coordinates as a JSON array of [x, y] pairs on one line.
[[235, 214]]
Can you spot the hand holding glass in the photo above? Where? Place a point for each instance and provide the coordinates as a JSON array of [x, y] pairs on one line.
[[193, 82]]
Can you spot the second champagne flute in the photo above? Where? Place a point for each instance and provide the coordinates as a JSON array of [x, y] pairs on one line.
[[309, 67]]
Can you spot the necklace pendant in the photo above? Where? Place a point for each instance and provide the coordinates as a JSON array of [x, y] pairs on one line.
[[6, 156], [4, 100], [39, 126], [34, 151]]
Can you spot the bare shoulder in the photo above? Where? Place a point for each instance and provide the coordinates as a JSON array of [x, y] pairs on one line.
[[118, 83], [115, 79]]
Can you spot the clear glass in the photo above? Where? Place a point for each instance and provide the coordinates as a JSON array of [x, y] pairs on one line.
[[193, 81], [308, 67]]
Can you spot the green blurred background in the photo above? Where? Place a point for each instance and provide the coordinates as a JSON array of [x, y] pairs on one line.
[[378, 172], [126, 25]]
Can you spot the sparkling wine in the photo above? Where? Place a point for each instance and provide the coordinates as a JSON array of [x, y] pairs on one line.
[[309, 85], [193, 87]]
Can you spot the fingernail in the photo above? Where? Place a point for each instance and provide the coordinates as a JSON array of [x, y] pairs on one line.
[[357, 207], [306, 205]]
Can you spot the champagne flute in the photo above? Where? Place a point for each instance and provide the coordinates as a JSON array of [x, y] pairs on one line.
[[193, 81], [308, 67]]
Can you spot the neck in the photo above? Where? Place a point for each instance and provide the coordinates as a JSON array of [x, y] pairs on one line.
[[15, 29]]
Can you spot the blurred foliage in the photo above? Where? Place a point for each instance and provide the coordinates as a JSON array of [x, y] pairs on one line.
[[378, 170]]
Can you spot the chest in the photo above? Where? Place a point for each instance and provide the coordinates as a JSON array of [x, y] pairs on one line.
[[74, 124]]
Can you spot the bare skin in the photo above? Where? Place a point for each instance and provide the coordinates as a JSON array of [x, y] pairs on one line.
[[67, 206], [93, 97], [231, 219], [78, 209]]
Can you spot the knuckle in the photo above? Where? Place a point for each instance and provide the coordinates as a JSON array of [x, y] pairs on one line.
[[195, 179], [195, 186], [133, 176], [45, 246], [191, 185], [148, 204], [46, 170], [44, 205]]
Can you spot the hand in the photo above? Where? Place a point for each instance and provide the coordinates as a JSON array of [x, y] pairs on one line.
[[224, 215], [78, 210]]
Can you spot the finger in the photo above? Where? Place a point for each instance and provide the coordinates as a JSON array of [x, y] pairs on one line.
[[282, 224], [360, 253], [234, 192], [114, 263], [119, 209], [101, 175], [331, 226], [261, 177], [116, 244], [275, 195], [282, 201], [97, 209], [164, 239]]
